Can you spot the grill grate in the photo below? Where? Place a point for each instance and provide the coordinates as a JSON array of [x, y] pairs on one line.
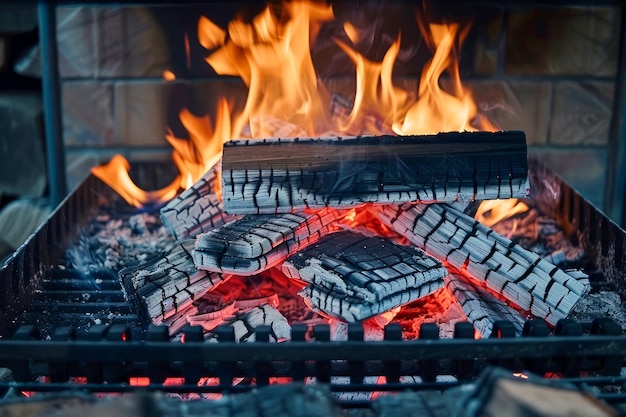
[[109, 354]]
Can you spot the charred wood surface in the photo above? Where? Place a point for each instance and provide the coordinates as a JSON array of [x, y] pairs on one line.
[[246, 323], [283, 175], [255, 243], [166, 286], [506, 268], [197, 209], [481, 307], [352, 277]]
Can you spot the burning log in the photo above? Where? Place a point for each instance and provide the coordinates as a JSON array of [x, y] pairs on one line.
[[245, 324], [353, 277], [256, 243], [168, 285], [506, 268], [197, 209], [284, 175], [481, 307]]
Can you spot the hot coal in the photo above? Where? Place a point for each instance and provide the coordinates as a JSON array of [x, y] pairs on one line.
[[242, 293], [439, 307]]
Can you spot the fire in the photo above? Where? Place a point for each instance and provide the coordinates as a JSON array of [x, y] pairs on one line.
[[116, 175], [491, 212], [271, 53], [436, 110]]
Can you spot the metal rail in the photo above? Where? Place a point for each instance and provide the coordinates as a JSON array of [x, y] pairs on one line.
[[51, 94]]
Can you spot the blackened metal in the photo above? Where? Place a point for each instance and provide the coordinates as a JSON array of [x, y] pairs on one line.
[[263, 368], [225, 334], [609, 364], [429, 331], [22, 275], [503, 329], [192, 369], [322, 368], [158, 371], [298, 334], [356, 333], [51, 94], [393, 331], [427, 358], [536, 328], [570, 366], [464, 330], [616, 167]]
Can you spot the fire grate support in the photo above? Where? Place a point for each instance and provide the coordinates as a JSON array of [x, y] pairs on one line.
[[107, 354]]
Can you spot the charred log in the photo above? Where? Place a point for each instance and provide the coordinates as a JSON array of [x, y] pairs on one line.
[[481, 307], [522, 277], [245, 324], [255, 243], [197, 209], [353, 277], [167, 286], [283, 175]]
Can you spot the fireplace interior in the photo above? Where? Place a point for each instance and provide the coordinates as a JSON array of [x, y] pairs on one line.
[[185, 293]]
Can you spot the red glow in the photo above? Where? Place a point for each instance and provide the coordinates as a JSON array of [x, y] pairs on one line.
[[139, 381], [187, 50]]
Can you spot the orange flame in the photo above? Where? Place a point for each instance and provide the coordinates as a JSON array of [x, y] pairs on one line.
[[271, 54], [169, 75], [491, 212], [436, 110], [116, 175]]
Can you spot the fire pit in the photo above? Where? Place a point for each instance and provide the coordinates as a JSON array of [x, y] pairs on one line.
[[268, 244]]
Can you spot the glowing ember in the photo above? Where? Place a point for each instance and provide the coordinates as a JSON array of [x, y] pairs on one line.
[[272, 55]]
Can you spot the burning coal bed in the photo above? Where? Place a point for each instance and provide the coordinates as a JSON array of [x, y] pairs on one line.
[[367, 229]]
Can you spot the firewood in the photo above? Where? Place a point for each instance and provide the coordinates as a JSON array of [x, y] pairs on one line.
[[506, 268], [285, 175], [210, 320], [253, 244], [166, 286], [353, 277], [426, 403], [498, 392], [246, 322], [197, 209], [481, 307]]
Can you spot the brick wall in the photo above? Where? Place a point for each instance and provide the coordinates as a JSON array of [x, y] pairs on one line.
[[549, 72]]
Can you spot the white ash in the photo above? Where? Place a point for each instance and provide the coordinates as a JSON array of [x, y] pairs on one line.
[[114, 242], [600, 304], [543, 235]]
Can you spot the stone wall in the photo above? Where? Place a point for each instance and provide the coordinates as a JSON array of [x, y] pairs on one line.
[[551, 72], [547, 71]]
